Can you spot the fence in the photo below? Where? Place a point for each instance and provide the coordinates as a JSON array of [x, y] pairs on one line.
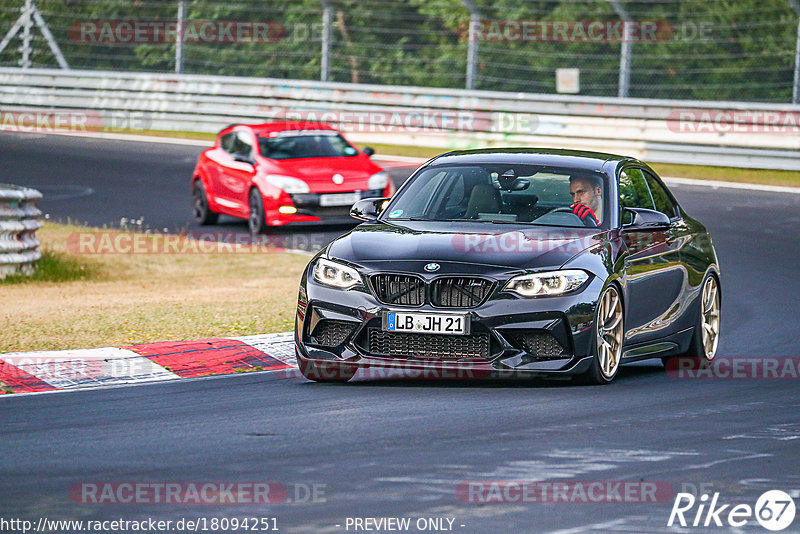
[[744, 50], [19, 220]]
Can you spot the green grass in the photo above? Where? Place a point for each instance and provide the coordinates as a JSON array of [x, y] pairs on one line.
[[179, 134], [56, 267], [403, 150], [729, 174]]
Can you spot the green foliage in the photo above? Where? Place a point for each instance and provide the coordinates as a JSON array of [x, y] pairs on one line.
[[712, 49]]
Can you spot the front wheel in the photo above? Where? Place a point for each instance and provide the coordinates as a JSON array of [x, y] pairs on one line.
[[609, 330], [706, 331], [256, 220], [202, 213]]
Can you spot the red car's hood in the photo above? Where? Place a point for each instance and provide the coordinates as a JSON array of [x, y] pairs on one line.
[[319, 172]]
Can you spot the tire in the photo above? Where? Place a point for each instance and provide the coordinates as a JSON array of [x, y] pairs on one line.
[[256, 221], [326, 371], [609, 330], [705, 338], [202, 213]]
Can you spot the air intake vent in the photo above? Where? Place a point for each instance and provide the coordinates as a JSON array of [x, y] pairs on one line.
[[540, 345], [406, 290], [459, 292], [330, 333], [427, 345]]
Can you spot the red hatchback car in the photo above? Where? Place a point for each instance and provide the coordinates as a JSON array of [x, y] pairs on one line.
[[277, 173]]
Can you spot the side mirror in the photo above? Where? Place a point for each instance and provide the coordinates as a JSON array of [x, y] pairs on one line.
[[244, 158], [367, 209], [368, 150], [644, 219]]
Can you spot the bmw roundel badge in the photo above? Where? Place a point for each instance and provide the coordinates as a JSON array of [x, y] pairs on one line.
[[432, 267]]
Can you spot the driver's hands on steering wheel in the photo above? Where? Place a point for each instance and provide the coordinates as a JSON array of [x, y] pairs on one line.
[[583, 211]]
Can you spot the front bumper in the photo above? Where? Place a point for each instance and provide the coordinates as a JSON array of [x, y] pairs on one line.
[[309, 209], [509, 335]]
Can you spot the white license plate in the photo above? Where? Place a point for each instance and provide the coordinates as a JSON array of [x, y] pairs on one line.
[[426, 323], [339, 199]]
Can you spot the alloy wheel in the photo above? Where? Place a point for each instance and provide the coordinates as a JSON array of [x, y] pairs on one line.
[[709, 317], [609, 332]]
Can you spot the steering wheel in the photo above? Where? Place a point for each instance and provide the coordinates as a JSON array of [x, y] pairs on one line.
[[587, 221]]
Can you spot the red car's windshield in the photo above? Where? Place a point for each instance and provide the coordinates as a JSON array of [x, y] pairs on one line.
[[305, 144]]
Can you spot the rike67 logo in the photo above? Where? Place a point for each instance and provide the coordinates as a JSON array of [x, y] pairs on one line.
[[774, 510]]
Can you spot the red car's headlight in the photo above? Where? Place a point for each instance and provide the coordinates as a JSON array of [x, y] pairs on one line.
[[288, 184]]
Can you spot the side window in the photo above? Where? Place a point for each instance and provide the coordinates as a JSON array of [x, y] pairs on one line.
[[456, 194], [242, 144], [663, 200], [633, 192], [418, 196], [227, 141]]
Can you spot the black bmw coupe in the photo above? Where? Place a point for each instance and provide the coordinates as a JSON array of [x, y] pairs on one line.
[[522, 261]]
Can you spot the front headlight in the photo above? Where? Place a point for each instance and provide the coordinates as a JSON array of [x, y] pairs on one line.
[[545, 284], [288, 184], [378, 180], [334, 274]]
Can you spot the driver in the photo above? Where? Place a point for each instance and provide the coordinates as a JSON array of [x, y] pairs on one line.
[[587, 197]]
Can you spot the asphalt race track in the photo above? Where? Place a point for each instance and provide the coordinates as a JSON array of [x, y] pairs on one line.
[[388, 448]]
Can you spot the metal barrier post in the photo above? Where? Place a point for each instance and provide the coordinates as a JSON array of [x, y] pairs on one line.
[[19, 220], [472, 44], [796, 84], [325, 53], [626, 50]]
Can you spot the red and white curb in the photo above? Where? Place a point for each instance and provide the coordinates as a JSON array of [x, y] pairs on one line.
[[29, 372]]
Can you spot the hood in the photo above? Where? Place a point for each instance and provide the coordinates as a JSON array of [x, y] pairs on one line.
[[465, 244], [318, 172]]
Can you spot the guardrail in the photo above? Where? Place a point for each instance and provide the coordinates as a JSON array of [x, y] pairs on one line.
[[713, 133], [19, 220]]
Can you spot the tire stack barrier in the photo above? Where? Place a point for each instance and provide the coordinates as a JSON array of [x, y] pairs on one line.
[[19, 220]]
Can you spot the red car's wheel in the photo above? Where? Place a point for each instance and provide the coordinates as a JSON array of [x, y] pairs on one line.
[[202, 213], [256, 220]]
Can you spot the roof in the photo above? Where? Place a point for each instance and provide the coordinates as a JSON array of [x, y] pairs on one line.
[[288, 125], [577, 159]]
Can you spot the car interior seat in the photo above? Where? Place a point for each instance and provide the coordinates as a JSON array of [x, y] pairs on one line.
[[483, 199]]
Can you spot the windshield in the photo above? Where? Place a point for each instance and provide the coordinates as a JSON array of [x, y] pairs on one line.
[[503, 193], [294, 144]]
